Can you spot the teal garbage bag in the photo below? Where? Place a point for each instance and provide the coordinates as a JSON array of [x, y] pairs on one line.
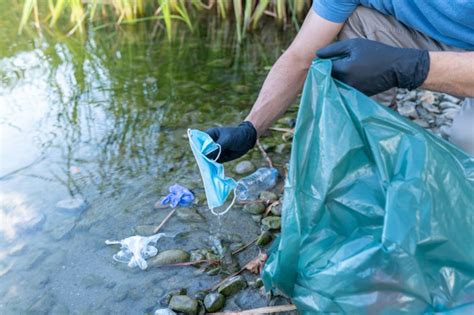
[[378, 214]]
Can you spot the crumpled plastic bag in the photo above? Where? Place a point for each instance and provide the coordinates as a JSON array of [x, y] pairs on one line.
[[135, 250], [378, 214], [178, 196]]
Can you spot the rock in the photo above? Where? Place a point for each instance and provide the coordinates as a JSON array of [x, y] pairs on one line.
[[183, 304], [164, 311], [431, 108], [170, 294], [144, 230], [264, 238], [92, 280], [189, 215], [410, 96], [427, 97], [214, 302], [276, 210], [450, 113], [197, 254], [408, 109], [168, 257], [244, 167], [201, 294], [445, 105], [73, 206], [232, 285], [257, 218], [451, 99], [421, 123], [268, 196], [272, 222], [254, 208]]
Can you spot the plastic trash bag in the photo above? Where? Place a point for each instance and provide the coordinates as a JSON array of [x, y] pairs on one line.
[[135, 249], [378, 214], [178, 196], [216, 185]]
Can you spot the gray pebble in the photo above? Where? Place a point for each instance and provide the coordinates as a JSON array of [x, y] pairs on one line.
[[271, 222], [168, 257], [254, 208], [232, 286], [214, 302], [183, 304], [244, 167], [268, 196]]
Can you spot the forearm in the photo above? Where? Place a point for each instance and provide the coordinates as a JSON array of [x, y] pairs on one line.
[[279, 91], [287, 75], [451, 72]]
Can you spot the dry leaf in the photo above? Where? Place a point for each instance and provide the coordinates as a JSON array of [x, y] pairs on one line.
[[256, 264]]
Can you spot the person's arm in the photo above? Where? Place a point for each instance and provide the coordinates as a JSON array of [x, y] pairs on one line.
[[451, 72], [287, 75]]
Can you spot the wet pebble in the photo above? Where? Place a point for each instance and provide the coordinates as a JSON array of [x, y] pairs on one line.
[[170, 294], [276, 210], [213, 302], [183, 304], [271, 222], [268, 196], [254, 208], [264, 238], [408, 109], [164, 311], [189, 215], [257, 218], [73, 206], [197, 254], [232, 286], [167, 257], [244, 167]]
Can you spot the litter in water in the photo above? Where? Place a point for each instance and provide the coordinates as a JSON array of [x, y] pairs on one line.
[[178, 196], [135, 250]]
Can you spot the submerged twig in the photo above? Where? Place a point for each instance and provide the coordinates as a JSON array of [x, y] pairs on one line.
[[244, 247], [165, 220], [265, 155]]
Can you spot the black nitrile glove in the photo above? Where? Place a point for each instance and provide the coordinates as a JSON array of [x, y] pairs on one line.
[[234, 141], [373, 67]]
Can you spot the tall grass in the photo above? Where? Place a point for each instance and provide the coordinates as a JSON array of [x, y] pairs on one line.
[[247, 14]]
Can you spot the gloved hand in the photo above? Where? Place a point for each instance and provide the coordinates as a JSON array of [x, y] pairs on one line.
[[373, 67], [234, 141]]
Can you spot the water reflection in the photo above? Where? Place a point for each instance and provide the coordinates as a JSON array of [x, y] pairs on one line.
[[105, 117]]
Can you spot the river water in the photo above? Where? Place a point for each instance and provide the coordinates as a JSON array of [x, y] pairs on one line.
[[104, 116]]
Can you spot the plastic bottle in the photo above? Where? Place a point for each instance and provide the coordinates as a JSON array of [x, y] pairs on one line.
[[249, 187]]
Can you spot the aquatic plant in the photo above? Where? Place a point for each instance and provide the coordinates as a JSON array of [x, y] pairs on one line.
[[248, 15]]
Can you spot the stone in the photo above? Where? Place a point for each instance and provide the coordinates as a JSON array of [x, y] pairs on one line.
[[257, 218], [408, 109], [244, 167], [92, 280], [421, 123], [164, 311], [272, 222], [197, 254], [189, 215], [431, 108], [170, 294], [72, 206], [451, 98], [427, 97], [264, 238], [201, 294], [213, 302], [445, 105], [276, 210], [232, 286], [450, 113], [144, 230], [183, 304], [254, 208], [168, 257], [268, 196]]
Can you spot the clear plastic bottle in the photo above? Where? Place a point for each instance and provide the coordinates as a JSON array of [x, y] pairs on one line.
[[248, 188]]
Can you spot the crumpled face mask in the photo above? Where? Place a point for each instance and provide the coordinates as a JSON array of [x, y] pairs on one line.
[[135, 249], [216, 185]]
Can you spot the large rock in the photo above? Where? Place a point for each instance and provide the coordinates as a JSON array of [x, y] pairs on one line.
[[254, 208], [232, 286], [183, 304], [268, 196], [214, 302], [168, 257], [272, 222], [244, 167], [264, 238]]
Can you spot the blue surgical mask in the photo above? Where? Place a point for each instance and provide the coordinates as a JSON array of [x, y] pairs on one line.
[[216, 185]]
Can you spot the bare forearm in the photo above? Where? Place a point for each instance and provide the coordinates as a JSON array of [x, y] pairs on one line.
[[451, 72], [286, 78], [279, 90]]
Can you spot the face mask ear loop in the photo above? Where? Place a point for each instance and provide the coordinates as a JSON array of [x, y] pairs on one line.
[[218, 154], [228, 208]]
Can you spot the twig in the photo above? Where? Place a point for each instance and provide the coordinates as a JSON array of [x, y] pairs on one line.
[[270, 207], [261, 310], [238, 250], [164, 220], [265, 155]]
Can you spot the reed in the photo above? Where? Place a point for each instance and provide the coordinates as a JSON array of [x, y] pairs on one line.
[[248, 15]]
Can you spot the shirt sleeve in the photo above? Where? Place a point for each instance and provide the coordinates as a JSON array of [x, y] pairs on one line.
[[336, 11]]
